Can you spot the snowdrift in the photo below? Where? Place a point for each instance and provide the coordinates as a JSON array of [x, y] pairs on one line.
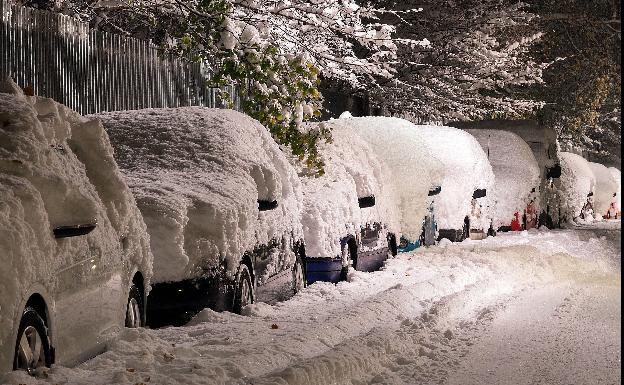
[[466, 168], [411, 170], [198, 174], [516, 173], [57, 169], [606, 186], [331, 210], [577, 181]]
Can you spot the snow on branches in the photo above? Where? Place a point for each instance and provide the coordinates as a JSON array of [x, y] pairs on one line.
[[275, 50], [477, 58]]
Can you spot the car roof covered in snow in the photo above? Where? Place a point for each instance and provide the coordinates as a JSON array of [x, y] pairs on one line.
[[515, 169], [331, 209], [198, 174], [412, 171]]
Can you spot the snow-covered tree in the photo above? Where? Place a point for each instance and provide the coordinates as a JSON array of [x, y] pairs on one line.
[[582, 87], [473, 67], [274, 49]]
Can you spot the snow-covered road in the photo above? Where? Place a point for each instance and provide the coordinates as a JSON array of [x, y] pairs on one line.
[[542, 307]]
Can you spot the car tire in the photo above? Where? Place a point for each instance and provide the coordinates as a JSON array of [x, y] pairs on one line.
[[243, 294], [32, 337], [134, 308], [299, 278], [392, 245]]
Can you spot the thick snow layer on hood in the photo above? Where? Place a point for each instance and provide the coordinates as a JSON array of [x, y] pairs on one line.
[[412, 171], [197, 174], [606, 186], [57, 169], [577, 180], [617, 175], [466, 169], [516, 173], [331, 210]]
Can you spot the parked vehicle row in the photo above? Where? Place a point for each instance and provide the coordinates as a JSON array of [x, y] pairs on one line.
[[201, 208]]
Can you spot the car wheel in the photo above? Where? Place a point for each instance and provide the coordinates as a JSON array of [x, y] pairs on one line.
[[392, 245], [243, 295], [299, 280], [134, 308], [32, 348]]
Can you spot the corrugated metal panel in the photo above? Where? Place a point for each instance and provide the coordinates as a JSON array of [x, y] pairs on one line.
[[94, 71]]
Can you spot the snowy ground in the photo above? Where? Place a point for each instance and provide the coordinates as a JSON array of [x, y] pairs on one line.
[[542, 307]]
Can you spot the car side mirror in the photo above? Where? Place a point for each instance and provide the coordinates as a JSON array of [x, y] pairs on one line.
[[366, 202], [478, 193], [73, 231], [553, 172], [434, 191], [264, 205]]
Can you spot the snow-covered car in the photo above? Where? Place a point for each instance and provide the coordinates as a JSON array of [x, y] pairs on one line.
[[606, 191], [463, 208], [412, 173], [578, 184], [615, 208], [517, 178], [543, 142], [222, 205], [350, 216], [75, 263]]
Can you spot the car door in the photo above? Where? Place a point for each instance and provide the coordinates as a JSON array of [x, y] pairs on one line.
[[78, 298]]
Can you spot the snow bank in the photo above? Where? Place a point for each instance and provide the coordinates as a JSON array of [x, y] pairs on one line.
[[197, 174], [606, 186], [466, 169], [405, 324], [331, 210], [411, 169], [57, 169], [577, 180], [516, 173]]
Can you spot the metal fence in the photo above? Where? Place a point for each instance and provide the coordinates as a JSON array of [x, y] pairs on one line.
[[92, 71]]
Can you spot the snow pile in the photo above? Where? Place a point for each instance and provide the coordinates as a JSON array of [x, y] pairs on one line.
[[466, 169], [197, 174], [606, 186], [331, 210], [516, 173], [577, 181], [411, 169], [57, 169]]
